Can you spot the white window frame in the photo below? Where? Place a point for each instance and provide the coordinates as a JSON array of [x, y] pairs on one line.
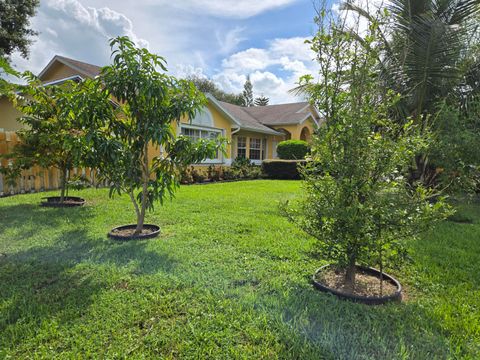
[[220, 132], [243, 148], [262, 149]]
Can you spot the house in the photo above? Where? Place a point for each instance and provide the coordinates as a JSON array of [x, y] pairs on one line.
[[252, 132]]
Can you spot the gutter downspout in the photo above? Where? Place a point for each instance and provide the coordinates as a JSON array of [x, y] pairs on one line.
[[233, 133]]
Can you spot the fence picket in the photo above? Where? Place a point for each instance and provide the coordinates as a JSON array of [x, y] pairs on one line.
[[35, 179]]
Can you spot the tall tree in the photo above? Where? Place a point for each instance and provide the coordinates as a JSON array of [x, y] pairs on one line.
[[15, 34], [150, 103], [206, 85], [248, 93], [262, 101], [358, 204]]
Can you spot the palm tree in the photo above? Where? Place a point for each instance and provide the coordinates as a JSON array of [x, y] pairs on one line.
[[425, 48]]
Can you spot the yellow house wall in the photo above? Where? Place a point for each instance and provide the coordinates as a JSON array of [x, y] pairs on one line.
[[219, 122], [8, 116], [59, 71], [296, 130]]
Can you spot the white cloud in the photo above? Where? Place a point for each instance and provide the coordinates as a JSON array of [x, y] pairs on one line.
[[68, 28], [232, 8], [229, 42], [290, 57]]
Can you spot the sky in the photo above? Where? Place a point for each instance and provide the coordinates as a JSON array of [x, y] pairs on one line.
[[225, 40]]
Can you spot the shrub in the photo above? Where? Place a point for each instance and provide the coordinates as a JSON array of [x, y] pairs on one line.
[[293, 149], [283, 169], [214, 173]]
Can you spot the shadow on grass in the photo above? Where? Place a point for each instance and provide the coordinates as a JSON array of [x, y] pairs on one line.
[[59, 281], [345, 330]]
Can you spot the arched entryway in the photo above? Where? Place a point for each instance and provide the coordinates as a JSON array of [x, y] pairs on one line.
[[305, 135], [288, 135]]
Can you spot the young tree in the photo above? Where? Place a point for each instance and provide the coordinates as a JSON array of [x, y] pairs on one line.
[[53, 132], [248, 93], [358, 202], [262, 101], [150, 103], [14, 26]]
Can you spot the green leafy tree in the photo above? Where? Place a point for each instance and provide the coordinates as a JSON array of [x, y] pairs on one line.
[[248, 93], [53, 131], [15, 34], [150, 102], [429, 53], [358, 203], [207, 86], [262, 101]]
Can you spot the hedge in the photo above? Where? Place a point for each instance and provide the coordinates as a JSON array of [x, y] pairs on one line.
[[293, 149], [282, 169]]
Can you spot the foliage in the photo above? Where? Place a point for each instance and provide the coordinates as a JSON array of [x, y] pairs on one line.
[[207, 86], [283, 169], [428, 53], [454, 153], [54, 129], [293, 149], [248, 93], [231, 265], [149, 103], [15, 34], [358, 202], [261, 101], [240, 170]]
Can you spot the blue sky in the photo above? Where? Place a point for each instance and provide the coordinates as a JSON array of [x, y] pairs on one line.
[[225, 40]]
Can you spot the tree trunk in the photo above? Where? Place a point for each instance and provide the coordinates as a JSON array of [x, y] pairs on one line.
[[350, 275], [63, 184], [146, 179]]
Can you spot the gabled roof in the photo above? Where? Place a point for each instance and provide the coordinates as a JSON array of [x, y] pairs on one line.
[[247, 122], [284, 114], [83, 68]]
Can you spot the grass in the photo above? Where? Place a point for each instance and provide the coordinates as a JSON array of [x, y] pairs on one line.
[[228, 278]]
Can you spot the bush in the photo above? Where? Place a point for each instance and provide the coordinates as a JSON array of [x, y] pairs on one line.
[[293, 149], [283, 169]]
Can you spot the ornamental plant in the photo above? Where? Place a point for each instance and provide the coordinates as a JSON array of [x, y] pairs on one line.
[[358, 202], [138, 151], [293, 149]]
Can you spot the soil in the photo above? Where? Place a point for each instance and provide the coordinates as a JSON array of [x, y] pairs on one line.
[[66, 202], [365, 284], [130, 232]]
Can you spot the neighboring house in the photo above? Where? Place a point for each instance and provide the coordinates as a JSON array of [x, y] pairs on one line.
[[252, 132]]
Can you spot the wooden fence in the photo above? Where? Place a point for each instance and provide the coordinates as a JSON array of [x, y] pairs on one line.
[[35, 179]]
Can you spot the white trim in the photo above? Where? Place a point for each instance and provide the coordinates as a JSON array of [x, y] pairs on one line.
[[60, 81], [273, 132], [301, 110], [310, 115], [235, 121], [256, 162], [220, 107]]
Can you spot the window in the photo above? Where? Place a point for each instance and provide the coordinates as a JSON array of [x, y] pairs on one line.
[[242, 147], [257, 149], [197, 134]]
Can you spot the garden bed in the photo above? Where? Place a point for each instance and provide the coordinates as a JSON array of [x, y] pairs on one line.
[[371, 286]]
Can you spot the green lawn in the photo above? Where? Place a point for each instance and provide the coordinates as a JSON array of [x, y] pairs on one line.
[[228, 278]]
